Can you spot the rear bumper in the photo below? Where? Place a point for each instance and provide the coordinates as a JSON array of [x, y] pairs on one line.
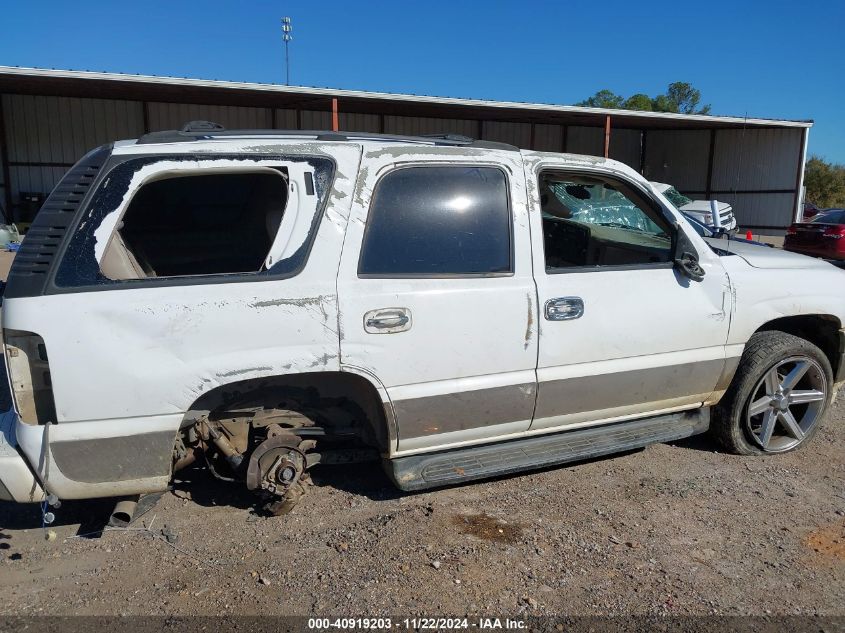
[[17, 483]]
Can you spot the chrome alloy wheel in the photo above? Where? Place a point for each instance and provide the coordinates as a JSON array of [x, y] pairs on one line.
[[786, 404]]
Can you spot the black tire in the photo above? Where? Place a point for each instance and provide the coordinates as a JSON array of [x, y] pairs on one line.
[[762, 353]]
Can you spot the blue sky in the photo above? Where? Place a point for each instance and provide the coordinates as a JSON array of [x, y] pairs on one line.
[[764, 59]]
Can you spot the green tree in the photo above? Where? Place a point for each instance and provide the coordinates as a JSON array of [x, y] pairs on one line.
[[825, 183], [680, 97], [603, 99], [684, 98], [664, 103], [638, 101]]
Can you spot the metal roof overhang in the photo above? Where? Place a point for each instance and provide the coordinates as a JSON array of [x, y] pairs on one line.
[[69, 83]]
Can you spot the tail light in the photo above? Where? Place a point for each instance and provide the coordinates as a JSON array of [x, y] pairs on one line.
[[29, 375], [791, 231], [835, 232]]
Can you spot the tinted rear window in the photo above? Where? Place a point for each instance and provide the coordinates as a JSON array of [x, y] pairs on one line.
[[830, 217], [438, 221]]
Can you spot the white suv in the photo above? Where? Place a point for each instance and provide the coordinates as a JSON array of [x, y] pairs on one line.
[[267, 301]]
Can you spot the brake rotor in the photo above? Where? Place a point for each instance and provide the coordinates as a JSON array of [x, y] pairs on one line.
[[276, 470]]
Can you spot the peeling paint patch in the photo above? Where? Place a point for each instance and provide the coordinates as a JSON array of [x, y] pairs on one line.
[[248, 370], [529, 327], [301, 303], [322, 361]]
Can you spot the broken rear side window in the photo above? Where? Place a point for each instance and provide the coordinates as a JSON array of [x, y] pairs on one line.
[[156, 220], [198, 224]]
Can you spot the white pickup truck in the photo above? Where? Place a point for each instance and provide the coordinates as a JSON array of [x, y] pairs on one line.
[[261, 302], [701, 210]]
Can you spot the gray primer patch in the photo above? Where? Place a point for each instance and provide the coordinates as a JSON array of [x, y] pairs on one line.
[[115, 458]]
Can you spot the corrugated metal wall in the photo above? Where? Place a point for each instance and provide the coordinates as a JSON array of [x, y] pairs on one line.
[[754, 169], [518, 134], [416, 126], [549, 137], [172, 116], [678, 157], [46, 135]]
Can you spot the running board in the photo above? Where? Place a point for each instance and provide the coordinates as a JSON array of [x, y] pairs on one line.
[[446, 468]]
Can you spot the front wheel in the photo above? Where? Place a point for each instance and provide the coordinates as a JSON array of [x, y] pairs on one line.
[[778, 396]]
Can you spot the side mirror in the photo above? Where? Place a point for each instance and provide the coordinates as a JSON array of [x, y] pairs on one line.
[[686, 257], [688, 265]]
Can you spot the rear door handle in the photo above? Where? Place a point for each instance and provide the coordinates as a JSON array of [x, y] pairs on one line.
[[564, 308], [387, 320]]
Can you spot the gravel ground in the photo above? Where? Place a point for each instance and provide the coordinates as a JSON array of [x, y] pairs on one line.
[[673, 529]]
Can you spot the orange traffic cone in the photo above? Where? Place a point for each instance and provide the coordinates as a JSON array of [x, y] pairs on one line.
[[748, 235]]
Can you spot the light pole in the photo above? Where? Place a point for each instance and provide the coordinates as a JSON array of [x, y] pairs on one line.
[[287, 29]]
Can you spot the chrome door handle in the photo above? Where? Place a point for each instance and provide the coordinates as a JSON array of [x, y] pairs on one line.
[[564, 308], [387, 320]]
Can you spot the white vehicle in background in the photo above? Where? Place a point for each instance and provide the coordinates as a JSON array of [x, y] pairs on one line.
[[701, 210]]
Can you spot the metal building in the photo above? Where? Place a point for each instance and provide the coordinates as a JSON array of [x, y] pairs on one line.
[[49, 118]]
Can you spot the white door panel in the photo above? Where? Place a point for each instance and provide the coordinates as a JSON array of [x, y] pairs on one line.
[[463, 365], [647, 339]]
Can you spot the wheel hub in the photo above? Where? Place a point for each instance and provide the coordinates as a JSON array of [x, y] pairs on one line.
[[786, 404], [780, 402], [277, 470]]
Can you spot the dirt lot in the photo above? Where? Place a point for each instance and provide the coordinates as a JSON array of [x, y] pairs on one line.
[[673, 529]]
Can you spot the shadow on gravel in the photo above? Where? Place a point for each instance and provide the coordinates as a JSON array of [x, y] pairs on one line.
[[199, 485], [367, 480], [91, 515], [701, 442]]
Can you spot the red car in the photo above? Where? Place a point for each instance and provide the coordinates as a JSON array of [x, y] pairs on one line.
[[824, 236]]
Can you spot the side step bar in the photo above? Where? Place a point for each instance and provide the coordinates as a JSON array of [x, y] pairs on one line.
[[446, 468]]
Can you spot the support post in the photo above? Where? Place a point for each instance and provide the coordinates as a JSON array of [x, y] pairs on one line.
[[4, 159], [643, 139], [607, 136], [709, 184], [335, 125], [799, 183]]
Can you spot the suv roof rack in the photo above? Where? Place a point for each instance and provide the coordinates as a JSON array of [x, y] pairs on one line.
[[204, 130]]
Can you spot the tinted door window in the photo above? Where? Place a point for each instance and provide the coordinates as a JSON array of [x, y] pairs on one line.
[[434, 221]]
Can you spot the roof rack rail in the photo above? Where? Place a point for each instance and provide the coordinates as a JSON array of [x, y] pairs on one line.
[[202, 126], [204, 130]]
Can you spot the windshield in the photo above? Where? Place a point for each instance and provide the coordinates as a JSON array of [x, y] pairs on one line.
[[676, 197]]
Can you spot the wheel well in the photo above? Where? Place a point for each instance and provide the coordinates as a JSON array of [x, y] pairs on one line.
[[351, 389], [821, 330]]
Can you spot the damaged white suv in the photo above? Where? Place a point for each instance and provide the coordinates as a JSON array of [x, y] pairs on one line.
[[262, 302]]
